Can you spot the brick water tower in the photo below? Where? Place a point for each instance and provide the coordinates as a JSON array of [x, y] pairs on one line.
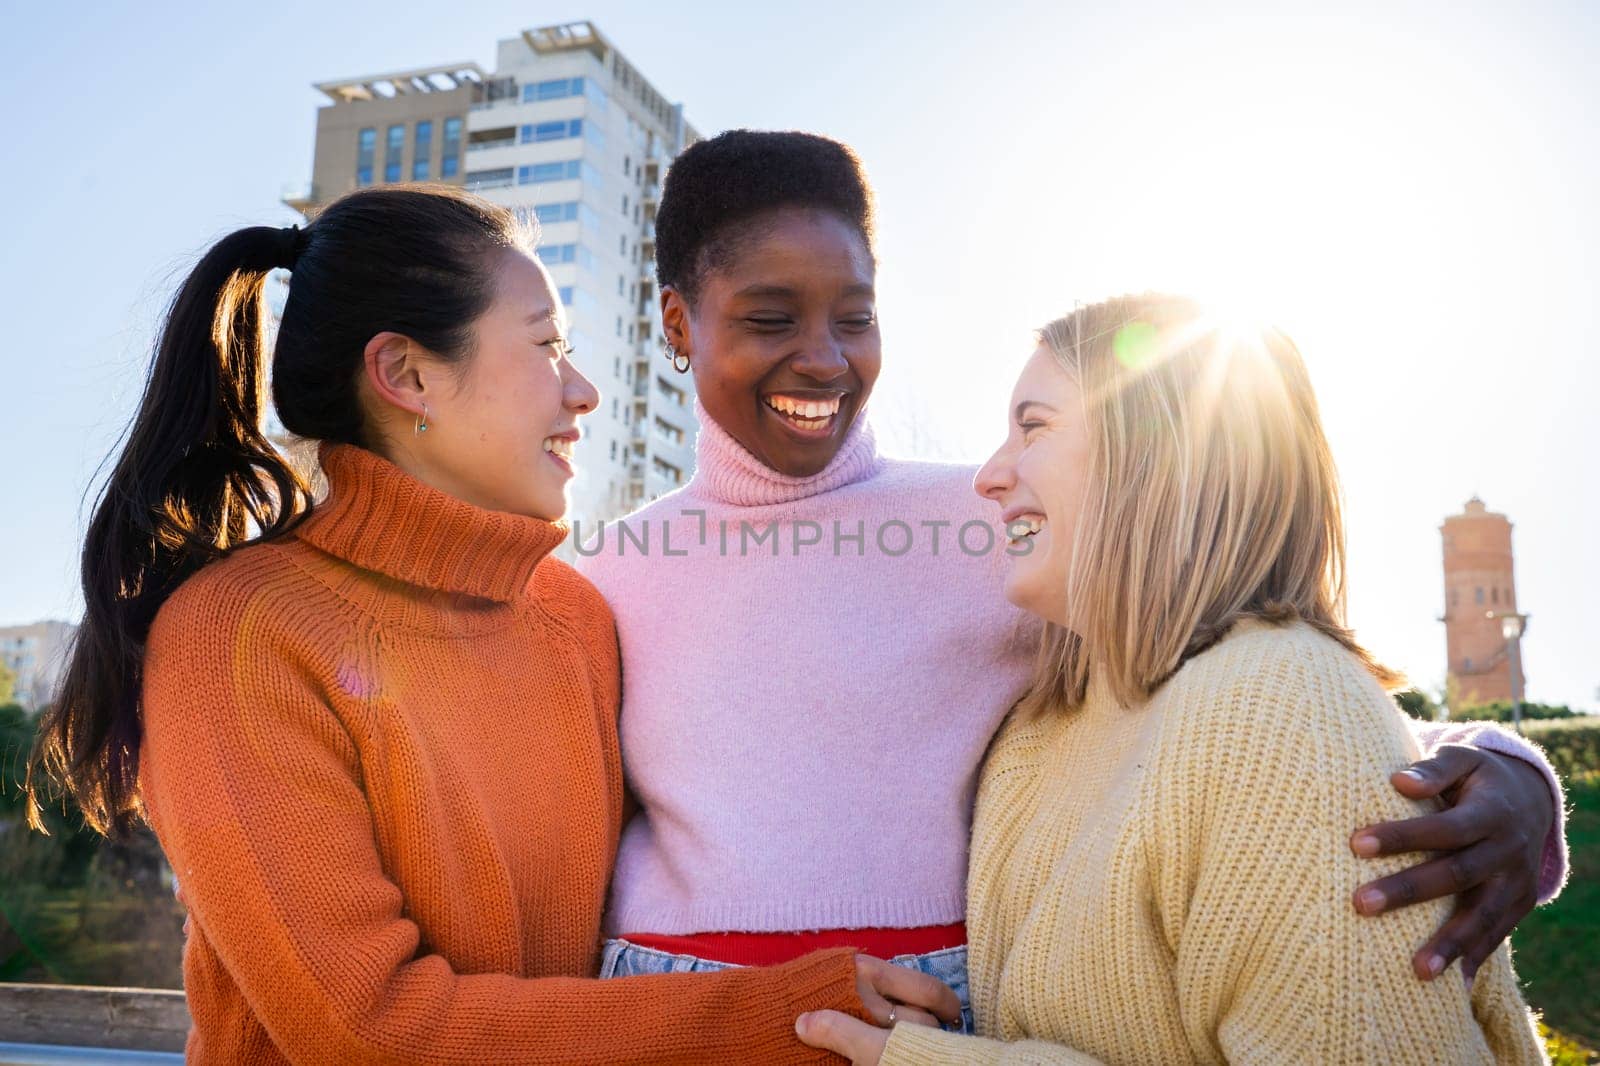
[[1478, 589]]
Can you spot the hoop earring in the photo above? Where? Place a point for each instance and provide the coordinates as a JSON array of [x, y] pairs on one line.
[[680, 362], [422, 423]]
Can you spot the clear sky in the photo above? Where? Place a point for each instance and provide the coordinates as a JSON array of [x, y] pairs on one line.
[[1408, 189]]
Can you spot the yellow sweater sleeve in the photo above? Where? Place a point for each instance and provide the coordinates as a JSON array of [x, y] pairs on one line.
[[919, 1045], [1273, 751]]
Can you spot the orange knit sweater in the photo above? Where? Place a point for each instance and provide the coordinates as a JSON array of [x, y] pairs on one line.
[[381, 755]]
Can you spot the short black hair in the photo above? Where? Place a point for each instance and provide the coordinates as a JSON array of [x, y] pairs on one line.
[[716, 186]]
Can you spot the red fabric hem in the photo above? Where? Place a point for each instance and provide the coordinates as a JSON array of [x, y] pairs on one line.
[[773, 949]]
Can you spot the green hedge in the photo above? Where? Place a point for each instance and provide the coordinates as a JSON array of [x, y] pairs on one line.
[[1573, 744]]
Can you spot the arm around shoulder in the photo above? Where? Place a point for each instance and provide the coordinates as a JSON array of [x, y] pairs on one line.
[[1274, 748]]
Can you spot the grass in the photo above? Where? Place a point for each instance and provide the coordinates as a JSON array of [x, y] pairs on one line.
[[1558, 946]]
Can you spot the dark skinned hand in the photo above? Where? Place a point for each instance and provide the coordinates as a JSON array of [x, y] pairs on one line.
[[1490, 841]]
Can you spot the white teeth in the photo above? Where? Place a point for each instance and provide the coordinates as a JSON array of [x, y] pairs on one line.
[[809, 410], [559, 446], [1024, 526]]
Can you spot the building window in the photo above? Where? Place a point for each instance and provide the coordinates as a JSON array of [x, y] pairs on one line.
[[366, 147], [1494, 595], [498, 178], [550, 213], [450, 161], [671, 392], [538, 173], [613, 451], [535, 132], [394, 144], [666, 470], [555, 254], [554, 89], [565, 292], [1477, 595], [421, 150], [668, 432], [1466, 666]]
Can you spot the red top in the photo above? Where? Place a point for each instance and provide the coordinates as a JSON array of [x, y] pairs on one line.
[[773, 949]]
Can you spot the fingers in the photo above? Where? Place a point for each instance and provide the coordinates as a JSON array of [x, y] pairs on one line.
[[1459, 871], [833, 1031], [904, 1013], [1489, 942], [1446, 831], [911, 987], [1483, 918], [1433, 776]]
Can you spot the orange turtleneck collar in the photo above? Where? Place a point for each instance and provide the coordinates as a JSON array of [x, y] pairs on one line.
[[380, 518]]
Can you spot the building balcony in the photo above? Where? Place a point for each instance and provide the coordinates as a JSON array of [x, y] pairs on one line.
[[504, 137], [499, 178], [301, 196]]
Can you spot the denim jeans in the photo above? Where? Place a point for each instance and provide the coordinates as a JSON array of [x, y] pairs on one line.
[[623, 959]]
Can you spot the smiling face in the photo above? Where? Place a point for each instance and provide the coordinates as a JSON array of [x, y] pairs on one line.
[[1038, 478], [502, 421], [783, 337]]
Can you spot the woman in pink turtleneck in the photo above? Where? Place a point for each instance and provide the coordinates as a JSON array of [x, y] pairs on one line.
[[815, 647]]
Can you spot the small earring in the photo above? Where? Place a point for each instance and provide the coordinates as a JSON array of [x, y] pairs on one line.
[[422, 423], [680, 362]]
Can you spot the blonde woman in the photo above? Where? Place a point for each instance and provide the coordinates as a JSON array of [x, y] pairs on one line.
[[1161, 868]]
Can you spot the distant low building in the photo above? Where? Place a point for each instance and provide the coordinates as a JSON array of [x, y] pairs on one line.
[[37, 655], [1479, 587]]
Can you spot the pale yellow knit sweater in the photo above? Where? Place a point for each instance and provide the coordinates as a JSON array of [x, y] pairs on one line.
[[1172, 883]]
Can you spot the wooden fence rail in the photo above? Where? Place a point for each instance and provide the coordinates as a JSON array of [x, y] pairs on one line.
[[34, 1019]]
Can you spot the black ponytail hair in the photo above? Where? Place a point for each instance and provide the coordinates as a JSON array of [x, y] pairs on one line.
[[196, 476]]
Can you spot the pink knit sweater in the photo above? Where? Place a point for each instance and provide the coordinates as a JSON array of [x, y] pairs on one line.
[[812, 671]]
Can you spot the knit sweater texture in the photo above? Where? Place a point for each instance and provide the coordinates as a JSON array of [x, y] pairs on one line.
[[381, 756], [812, 669], [804, 713], [1171, 882]]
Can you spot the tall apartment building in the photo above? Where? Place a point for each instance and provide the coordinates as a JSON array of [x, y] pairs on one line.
[[36, 656], [569, 133], [1479, 587]]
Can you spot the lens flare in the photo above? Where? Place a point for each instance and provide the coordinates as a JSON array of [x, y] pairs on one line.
[[1135, 345]]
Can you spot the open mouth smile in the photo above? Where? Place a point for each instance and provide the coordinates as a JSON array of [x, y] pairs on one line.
[[1023, 527], [808, 417]]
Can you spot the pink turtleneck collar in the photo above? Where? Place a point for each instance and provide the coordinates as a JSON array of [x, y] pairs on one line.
[[726, 472]]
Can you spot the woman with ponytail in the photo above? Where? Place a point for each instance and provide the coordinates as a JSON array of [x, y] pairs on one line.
[[376, 734]]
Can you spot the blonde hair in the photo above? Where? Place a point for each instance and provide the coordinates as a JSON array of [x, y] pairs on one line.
[[1211, 497]]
